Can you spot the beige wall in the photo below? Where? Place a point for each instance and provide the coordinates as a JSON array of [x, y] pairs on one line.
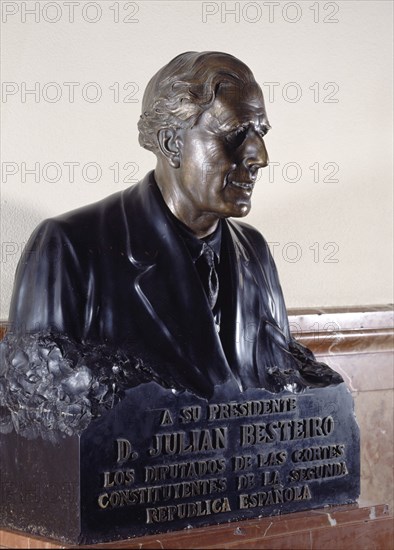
[[331, 239]]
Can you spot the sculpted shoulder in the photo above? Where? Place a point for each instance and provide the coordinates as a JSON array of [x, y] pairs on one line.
[[87, 224], [251, 235], [94, 213]]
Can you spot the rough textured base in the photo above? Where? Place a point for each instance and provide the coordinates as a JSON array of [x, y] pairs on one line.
[[161, 461]]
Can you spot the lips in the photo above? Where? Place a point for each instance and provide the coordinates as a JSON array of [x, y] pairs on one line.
[[246, 186]]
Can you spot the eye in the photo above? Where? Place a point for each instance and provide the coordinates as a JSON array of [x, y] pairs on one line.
[[263, 131], [237, 137]]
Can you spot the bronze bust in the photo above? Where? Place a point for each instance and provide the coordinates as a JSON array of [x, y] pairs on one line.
[[150, 364], [160, 272]]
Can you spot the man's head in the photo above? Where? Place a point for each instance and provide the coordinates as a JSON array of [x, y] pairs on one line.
[[203, 116]]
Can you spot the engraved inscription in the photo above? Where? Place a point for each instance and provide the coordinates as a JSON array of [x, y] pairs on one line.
[[185, 469], [274, 458], [194, 441], [286, 430], [257, 455], [125, 450], [322, 471], [275, 496], [224, 411], [318, 453], [153, 494], [120, 477], [187, 510]]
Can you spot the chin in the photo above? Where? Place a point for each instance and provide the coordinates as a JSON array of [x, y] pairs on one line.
[[239, 210]]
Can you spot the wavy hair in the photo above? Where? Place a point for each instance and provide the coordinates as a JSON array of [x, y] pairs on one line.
[[182, 90]]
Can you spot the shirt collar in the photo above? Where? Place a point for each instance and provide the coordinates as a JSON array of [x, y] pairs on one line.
[[194, 244]]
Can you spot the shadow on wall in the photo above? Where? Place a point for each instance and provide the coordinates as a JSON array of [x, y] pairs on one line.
[[18, 220]]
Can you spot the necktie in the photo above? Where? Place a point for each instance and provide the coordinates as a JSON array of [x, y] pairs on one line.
[[212, 288]]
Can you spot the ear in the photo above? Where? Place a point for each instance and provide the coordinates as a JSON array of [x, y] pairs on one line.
[[170, 144]]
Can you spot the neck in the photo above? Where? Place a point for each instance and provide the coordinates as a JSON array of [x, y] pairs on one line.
[[201, 224]]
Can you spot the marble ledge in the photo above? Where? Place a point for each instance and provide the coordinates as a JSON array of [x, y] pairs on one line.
[[340, 527], [369, 317], [334, 331], [327, 319]]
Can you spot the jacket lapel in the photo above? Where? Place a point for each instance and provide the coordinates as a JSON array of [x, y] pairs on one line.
[[173, 305], [253, 301]]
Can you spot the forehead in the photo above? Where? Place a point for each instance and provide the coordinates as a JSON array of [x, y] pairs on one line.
[[234, 106]]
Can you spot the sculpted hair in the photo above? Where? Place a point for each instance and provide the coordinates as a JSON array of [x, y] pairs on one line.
[[183, 89]]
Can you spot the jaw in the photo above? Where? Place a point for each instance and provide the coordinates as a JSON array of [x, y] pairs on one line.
[[239, 209], [237, 194]]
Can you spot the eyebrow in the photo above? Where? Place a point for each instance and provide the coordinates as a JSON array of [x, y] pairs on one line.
[[265, 125]]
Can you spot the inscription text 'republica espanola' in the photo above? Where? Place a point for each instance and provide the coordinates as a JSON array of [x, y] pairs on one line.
[[260, 473]]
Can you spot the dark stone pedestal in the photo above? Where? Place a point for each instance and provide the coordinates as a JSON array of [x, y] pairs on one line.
[[163, 461]]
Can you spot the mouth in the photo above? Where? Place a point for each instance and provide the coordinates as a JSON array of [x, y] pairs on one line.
[[244, 185]]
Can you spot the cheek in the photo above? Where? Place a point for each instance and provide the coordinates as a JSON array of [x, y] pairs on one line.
[[209, 160], [220, 153], [213, 150], [221, 161]]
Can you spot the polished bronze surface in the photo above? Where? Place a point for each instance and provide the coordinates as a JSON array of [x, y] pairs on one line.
[[120, 272], [130, 314]]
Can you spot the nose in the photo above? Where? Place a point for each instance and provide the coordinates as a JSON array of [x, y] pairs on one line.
[[254, 152]]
